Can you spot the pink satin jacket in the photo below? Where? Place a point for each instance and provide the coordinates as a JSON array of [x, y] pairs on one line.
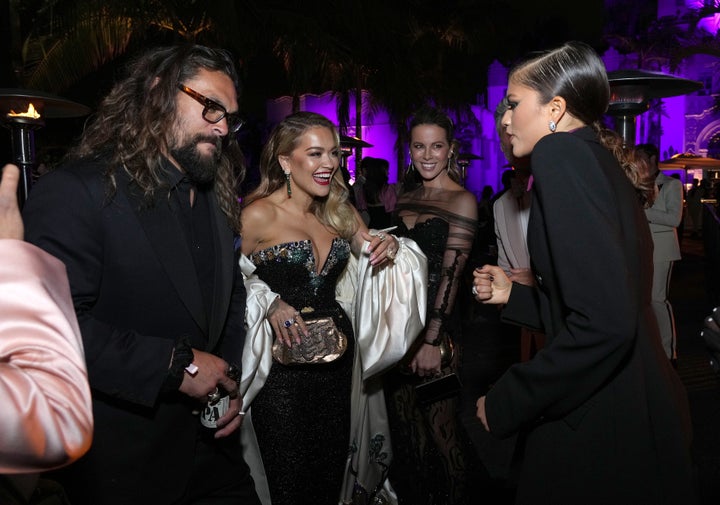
[[45, 411]]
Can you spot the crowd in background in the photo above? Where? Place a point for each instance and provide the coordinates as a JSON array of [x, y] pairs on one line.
[[193, 308]]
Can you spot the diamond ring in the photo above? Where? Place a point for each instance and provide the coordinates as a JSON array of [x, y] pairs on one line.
[[474, 291]]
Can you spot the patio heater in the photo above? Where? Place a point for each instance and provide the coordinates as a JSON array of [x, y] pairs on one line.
[[631, 90], [24, 111], [347, 144], [463, 160]]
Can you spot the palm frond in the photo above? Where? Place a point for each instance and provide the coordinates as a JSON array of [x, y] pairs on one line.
[[71, 57]]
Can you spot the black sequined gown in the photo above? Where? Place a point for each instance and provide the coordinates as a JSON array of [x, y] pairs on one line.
[[301, 415], [434, 462]]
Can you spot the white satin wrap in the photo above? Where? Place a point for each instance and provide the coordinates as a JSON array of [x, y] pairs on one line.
[[387, 307], [46, 415]]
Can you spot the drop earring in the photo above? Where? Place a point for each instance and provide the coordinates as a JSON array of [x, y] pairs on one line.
[[552, 125], [287, 184]]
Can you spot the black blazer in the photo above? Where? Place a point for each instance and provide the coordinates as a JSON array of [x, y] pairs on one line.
[[135, 292], [606, 417]]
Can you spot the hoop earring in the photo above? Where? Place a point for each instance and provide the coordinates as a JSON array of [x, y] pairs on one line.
[[287, 184], [552, 125]]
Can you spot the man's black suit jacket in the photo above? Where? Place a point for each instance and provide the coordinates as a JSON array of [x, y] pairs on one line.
[[135, 292]]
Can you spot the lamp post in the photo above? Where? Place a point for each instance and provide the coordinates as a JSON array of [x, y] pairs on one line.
[[23, 112], [631, 90]]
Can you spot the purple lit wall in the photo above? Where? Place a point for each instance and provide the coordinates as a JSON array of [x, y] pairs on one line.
[[709, 24], [672, 140], [486, 144], [685, 123]]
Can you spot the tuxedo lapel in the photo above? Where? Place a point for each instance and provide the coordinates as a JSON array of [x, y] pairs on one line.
[[167, 239]]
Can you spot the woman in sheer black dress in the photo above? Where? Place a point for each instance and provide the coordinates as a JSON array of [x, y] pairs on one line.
[[432, 453]]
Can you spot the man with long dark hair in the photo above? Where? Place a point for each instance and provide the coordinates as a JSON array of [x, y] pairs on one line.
[[143, 215]]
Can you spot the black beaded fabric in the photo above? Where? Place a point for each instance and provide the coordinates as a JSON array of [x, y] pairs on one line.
[[302, 414], [431, 237]]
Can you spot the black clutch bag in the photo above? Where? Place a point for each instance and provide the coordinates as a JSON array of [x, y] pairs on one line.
[[438, 388]]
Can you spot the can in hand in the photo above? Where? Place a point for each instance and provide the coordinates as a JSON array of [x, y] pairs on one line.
[[219, 401], [215, 410]]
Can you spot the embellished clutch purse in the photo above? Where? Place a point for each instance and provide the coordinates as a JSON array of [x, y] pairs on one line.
[[324, 344]]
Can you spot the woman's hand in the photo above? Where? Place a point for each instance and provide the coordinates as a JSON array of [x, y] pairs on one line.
[[383, 247], [287, 322], [491, 285], [427, 361]]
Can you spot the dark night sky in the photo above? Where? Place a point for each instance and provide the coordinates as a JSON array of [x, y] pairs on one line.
[[519, 26]]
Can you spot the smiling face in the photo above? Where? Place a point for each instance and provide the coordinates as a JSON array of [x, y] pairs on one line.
[[197, 144], [313, 162], [429, 150], [526, 120]]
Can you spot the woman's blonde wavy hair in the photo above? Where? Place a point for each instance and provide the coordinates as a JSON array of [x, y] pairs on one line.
[[335, 210]]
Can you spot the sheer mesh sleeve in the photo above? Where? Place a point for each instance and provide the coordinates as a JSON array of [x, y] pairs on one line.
[[459, 211]]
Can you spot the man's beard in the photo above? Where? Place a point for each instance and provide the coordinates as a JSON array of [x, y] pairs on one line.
[[200, 169]]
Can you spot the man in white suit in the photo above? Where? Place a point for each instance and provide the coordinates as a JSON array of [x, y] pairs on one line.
[[511, 212], [664, 217]]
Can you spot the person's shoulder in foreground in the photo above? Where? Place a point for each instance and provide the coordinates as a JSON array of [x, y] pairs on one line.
[[46, 420]]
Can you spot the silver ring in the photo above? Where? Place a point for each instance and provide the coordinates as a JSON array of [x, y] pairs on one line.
[[391, 253], [289, 322], [474, 291], [241, 412], [382, 237]]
